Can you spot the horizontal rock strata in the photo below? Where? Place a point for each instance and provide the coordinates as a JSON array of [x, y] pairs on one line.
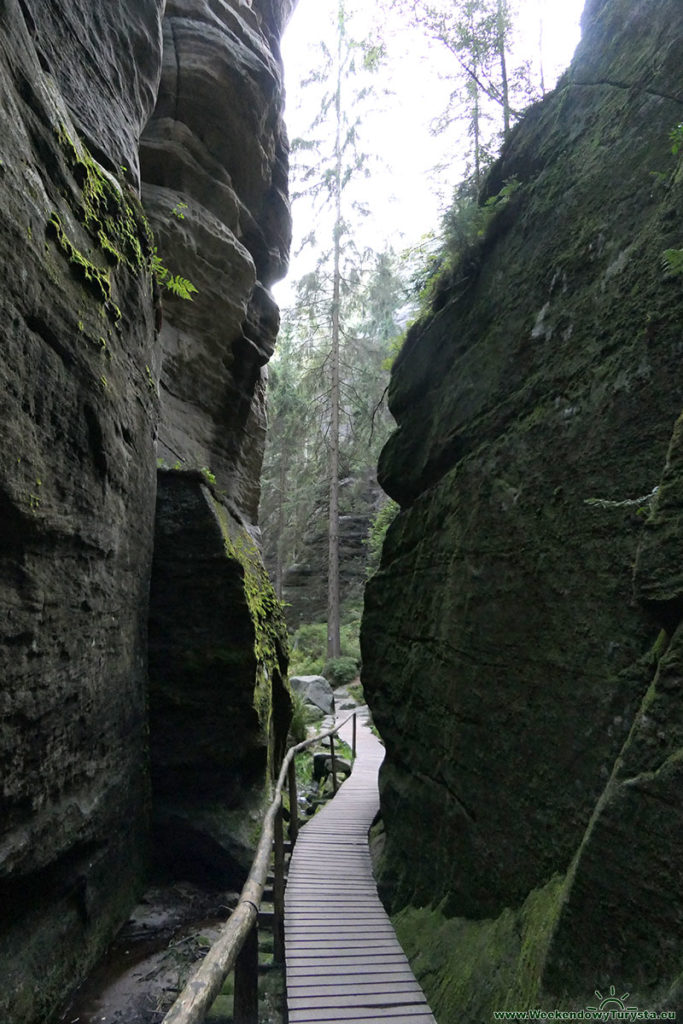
[[508, 666], [77, 418], [214, 161]]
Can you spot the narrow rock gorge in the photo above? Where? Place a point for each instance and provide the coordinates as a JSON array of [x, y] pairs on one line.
[[522, 639], [133, 732]]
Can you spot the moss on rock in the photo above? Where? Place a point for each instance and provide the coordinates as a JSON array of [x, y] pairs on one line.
[[113, 218], [468, 969], [267, 615], [504, 655], [218, 658]]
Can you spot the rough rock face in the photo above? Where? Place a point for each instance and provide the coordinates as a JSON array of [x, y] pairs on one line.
[[214, 167], [214, 163], [77, 420], [305, 582], [527, 709], [219, 708]]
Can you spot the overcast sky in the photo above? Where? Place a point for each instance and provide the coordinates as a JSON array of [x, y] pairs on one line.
[[404, 193]]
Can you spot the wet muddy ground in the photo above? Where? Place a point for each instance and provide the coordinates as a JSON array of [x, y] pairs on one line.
[[152, 956]]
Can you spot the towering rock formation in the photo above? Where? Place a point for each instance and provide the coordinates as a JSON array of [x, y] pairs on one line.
[[529, 702], [214, 166], [77, 491], [79, 416], [214, 162]]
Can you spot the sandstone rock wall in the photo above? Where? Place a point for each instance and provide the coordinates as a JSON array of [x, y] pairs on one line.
[[214, 164], [219, 707], [304, 582], [214, 167], [80, 316], [522, 687], [77, 421]]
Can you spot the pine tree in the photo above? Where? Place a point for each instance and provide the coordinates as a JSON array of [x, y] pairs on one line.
[[477, 34], [328, 176], [296, 467]]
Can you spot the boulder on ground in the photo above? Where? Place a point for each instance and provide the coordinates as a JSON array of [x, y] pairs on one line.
[[314, 690], [322, 766]]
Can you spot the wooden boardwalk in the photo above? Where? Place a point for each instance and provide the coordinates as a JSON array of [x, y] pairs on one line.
[[344, 962]]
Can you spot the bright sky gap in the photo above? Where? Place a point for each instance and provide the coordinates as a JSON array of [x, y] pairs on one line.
[[405, 193]]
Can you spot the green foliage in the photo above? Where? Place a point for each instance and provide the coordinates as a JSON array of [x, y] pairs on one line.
[[301, 666], [488, 90], [304, 768], [298, 727], [672, 261], [357, 692], [308, 647], [378, 531], [676, 136], [310, 641], [295, 469], [180, 286], [465, 223], [340, 671], [176, 284], [494, 204], [350, 631]]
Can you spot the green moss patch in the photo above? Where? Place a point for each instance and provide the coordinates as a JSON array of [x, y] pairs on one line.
[[266, 611], [469, 969], [94, 278], [113, 218]]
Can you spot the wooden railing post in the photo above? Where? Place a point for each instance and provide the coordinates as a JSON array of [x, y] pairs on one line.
[[237, 945], [245, 1008], [353, 743], [278, 891], [293, 803], [335, 785]]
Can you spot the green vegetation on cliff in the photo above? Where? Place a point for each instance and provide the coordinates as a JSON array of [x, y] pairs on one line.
[[472, 968], [267, 614], [506, 662]]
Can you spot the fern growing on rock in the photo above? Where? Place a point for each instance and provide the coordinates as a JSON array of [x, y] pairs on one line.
[[180, 286]]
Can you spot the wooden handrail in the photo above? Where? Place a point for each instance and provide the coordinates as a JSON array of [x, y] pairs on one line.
[[205, 985]]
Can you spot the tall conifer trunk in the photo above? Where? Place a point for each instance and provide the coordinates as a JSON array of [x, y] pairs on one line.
[[502, 38], [281, 519], [333, 615]]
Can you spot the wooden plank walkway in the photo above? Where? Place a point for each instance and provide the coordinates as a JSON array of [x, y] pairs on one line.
[[344, 962]]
